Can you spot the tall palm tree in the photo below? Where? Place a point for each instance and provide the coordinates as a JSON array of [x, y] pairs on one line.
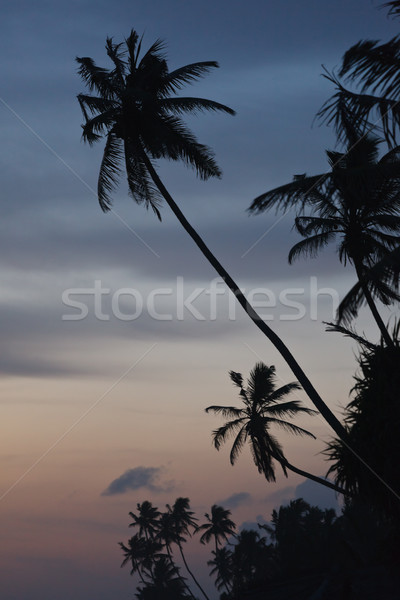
[[252, 423], [219, 526], [138, 113], [358, 200], [183, 523], [168, 534]]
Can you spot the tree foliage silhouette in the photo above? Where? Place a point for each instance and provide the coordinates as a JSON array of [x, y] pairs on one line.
[[374, 68]]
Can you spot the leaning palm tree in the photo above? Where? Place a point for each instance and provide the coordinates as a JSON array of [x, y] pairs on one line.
[[358, 200], [219, 526], [252, 423], [137, 111]]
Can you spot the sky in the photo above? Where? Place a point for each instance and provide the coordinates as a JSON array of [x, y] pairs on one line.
[[116, 334]]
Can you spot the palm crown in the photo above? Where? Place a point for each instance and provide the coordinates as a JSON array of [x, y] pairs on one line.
[[138, 113], [262, 408], [358, 200]]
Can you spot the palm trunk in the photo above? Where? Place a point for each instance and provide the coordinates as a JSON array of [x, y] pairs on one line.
[[267, 331], [191, 574], [324, 482], [177, 572], [372, 305]]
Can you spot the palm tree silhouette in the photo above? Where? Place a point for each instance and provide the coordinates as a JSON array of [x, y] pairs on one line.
[[147, 519], [375, 68], [358, 200], [135, 111], [182, 522], [166, 585], [219, 526], [222, 568], [141, 553], [262, 408], [168, 535]]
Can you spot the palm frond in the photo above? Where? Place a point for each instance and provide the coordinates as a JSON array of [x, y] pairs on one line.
[[300, 191], [177, 79], [238, 444], [193, 105], [116, 54], [348, 332], [394, 8], [237, 378], [311, 245], [291, 408], [290, 427], [96, 78], [109, 170], [284, 390], [374, 65], [225, 411], [222, 433], [141, 186]]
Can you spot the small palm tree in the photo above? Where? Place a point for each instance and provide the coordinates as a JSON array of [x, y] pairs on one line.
[[222, 567], [359, 201], [219, 526], [137, 111], [252, 423], [141, 553], [147, 519]]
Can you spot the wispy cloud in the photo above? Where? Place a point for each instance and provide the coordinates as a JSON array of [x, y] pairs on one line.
[[139, 477]]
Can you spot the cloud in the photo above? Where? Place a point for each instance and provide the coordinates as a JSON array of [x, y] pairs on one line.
[[236, 500], [134, 479], [281, 496], [317, 495]]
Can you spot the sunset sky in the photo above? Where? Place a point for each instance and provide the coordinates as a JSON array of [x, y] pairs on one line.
[[104, 411]]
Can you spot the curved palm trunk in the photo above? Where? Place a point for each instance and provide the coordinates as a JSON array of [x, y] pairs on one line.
[[267, 331], [372, 305], [324, 482], [191, 574]]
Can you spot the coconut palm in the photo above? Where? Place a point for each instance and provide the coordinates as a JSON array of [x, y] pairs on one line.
[[375, 68], [358, 200], [219, 526], [137, 111], [252, 423], [141, 553], [222, 567], [183, 523], [166, 585], [147, 519]]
